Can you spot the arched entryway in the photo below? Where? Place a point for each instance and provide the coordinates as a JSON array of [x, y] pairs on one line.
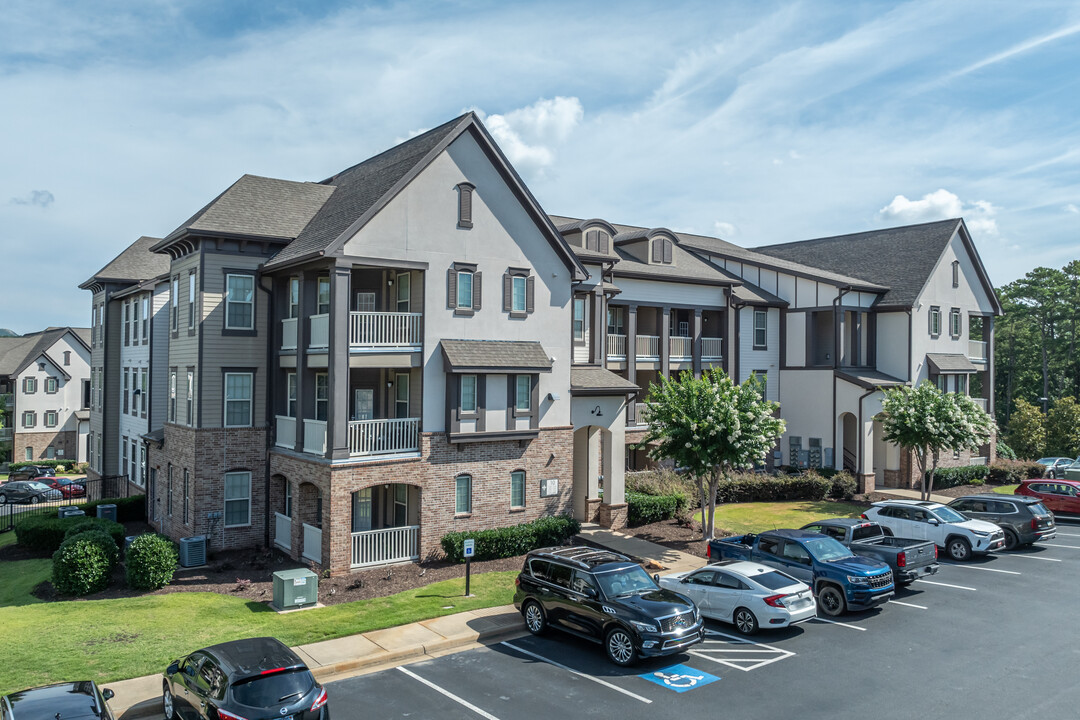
[[307, 510], [281, 502], [385, 524], [849, 447]]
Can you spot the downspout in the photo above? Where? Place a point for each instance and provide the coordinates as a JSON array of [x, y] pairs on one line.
[[269, 410]]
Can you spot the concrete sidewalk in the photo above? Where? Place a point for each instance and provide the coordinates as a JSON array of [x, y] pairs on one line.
[[668, 559], [905, 494]]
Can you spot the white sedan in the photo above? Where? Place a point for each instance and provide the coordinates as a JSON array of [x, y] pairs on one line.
[[746, 594]]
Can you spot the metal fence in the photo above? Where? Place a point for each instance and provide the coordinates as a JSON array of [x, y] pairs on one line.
[[81, 491]]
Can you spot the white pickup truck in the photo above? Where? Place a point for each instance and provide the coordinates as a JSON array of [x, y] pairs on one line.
[[952, 532]]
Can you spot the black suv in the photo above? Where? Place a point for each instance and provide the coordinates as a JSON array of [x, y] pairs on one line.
[[604, 597], [31, 472], [80, 700], [250, 679], [1024, 519]]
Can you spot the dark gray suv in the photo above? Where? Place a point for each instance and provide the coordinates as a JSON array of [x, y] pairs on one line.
[[1023, 519], [27, 491]]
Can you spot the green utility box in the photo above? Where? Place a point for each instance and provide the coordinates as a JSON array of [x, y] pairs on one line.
[[295, 589]]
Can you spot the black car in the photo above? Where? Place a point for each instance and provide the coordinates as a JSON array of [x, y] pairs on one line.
[[604, 597], [28, 491], [1024, 519], [68, 701], [31, 472], [250, 679]]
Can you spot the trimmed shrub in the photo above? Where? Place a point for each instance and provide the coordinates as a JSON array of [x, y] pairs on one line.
[[92, 524], [843, 486], [663, 482], [643, 509], [150, 562], [511, 541], [1011, 472], [84, 563], [44, 533], [948, 477], [762, 488], [58, 465], [128, 509]]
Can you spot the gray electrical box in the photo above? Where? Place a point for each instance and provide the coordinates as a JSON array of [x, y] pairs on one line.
[[295, 589]]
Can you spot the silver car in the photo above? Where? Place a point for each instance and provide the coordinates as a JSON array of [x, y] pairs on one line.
[[27, 491]]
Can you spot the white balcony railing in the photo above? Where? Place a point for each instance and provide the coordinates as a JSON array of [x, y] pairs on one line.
[[312, 543], [283, 531], [288, 334], [286, 432], [647, 347], [376, 547], [712, 348], [382, 437], [977, 350], [680, 348], [385, 330], [981, 402], [315, 436], [616, 347], [320, 331]]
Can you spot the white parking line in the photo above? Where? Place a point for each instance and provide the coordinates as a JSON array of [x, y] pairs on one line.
[[449, 694], [837, 622], [549, 661], [910, 605], [1068, 534], [1034, 557], [980, 567], [761, 654], [958, 587], [1071, 547]]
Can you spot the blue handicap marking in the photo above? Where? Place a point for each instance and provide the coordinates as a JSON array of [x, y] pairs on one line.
[[680, 678]]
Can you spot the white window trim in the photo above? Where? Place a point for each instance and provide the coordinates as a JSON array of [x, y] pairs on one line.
[[226, 499], [517, 281], [764, 329], [192, 291], [475, 395], [469, 296], [250, 400], [55, 418], [229, 301]]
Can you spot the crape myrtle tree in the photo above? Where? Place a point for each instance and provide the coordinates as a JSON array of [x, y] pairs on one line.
[[710, 427], [927, 421]]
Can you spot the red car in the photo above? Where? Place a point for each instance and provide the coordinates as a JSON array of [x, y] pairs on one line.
[[67, 488], [1060, 496]]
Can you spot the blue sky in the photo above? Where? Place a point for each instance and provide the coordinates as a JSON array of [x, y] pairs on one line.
[[758, 122]]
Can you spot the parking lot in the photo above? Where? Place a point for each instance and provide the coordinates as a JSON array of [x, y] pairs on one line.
[[997, 637]]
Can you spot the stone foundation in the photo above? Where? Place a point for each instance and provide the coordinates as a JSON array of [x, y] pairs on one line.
[[612, 516], [592, 510]]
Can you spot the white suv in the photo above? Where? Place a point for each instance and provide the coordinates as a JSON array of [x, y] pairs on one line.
[[951, 531]]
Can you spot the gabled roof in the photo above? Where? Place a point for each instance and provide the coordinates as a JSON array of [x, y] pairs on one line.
[[136, 263], [950, 363], [901, 258], [495, 356], [592, 380], [16, 353]]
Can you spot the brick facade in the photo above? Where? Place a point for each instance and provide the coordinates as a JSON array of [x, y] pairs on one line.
[[908, 474], [64, 443], [434, 472]]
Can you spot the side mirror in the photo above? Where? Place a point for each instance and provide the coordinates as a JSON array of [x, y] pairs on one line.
[[805, 560], [108, 694], [934, 521], [173, 667], [656, 578]]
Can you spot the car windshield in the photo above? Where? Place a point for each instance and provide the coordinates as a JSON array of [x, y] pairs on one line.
[[945, 514], [774, 580], [627, 581], [38, 486], [275, 689], [827, 549]]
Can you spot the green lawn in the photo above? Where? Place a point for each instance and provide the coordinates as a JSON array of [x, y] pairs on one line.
[[18, 578], [108, 640], [741, 518], [1005, 489]]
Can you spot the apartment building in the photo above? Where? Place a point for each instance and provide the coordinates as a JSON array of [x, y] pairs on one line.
[[349, 369], [44, 385]]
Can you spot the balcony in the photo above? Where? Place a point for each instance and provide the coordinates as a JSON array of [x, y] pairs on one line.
[[382, 331], [616, 347], [315, 436], [712, 349], [286, 432], [680, 349], [384, 437], [320, 331], [378, 547], [647, 347], [288, 334], [981, 402], [977, 351]]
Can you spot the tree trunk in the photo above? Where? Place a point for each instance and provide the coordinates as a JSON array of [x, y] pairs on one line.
[[704, 508], [920, 459], [1045, 369], [928, 486], [714, 483]]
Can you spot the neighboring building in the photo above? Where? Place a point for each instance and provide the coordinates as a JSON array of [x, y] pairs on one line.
[[350, 369], [44, 384]]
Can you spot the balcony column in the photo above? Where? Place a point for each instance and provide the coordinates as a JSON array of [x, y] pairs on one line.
[[337, 432], [988, 385], [305, 378], [665, 341], [599, 334], [695, 349], [631, 355]]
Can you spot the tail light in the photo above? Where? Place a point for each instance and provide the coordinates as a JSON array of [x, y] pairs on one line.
[[319, 701], [863, 516], [901, 559], [775, 601], [1034, 523], [226, 715], [517, 581], [935, 552], [708, 551]]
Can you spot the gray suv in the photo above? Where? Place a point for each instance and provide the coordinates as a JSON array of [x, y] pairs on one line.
[[1023, 519]]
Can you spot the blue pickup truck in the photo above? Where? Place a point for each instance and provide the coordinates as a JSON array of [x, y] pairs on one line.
[[841, 580]]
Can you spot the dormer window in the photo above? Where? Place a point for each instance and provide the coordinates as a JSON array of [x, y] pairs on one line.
[[661, 251], [598, 241], [465, 193]]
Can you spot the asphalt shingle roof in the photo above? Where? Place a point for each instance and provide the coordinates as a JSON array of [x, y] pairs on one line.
[[18, 352], [869, 379], [599, 381], [950, 363], [900, 258], [135, 264], [495, 355]]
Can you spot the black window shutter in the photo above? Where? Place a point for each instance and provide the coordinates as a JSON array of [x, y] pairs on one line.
[[476, 293], [657, 251], [451, 288], [667, 251], [529, 303], [508, 290], [603, 246]]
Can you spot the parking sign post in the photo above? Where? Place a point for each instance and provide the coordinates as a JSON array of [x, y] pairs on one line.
[[470, 550]]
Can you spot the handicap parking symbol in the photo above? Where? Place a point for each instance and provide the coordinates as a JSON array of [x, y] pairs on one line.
[[680, 678]]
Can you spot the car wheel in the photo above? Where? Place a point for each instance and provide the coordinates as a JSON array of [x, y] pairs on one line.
[[168, 706], [831, 600], [33, 499], [3, 499], [1011, 541], [620, 647], [745, 622], [959, 549], [535, 619]]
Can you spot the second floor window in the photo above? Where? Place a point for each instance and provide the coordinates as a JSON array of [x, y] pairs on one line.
[[191, 299], [761, 329], [136, 323], [468, 394], [190, 397], [143, 390], [523, 394], [29, 385], [956, 323], [290, 395], [145, 320], [323, 296], [174, 304], [322, 396], [934, 318], [172, 396], [518, 300], [615, 321], [579, 319], [238, 389], [464, 289], [294, 297], [51, 385], [240, 302]]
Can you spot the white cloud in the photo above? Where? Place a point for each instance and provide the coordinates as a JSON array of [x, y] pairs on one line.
[[940, 205], [1072, 208], [725, 229], [528, 135]]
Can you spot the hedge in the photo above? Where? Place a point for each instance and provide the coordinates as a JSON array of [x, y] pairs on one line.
[[150, 562], [843, 486], [68, 465], [128, 509], [94, 524], [44, 533], [948, 477], [1011, 472], [511, 541], [84, 563], [643, 509], [762, 488]]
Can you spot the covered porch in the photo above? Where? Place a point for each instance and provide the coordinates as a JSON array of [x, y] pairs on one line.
[[385, 525]]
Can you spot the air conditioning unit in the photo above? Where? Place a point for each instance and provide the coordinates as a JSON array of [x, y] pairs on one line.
[[295, 589], [193, 551]]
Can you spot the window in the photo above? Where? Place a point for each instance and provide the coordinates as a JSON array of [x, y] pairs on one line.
[[463, 494], [956, 273], [404, 292], [145, 320], [615, 320], [517, 303], [135, 474], [127, 323], [124, 455], [463, 292], [187, 494], [51, 385], [240, 302], [761, 327], [190, 397], [67, 357], [464, 289], [523, 395], [468, 394], [29, 385], [579, 319], [517, 489], [238, 399], [135, 323], [174, 304], [168, 491], [191, 299], [597, 241], [290, 394], [143, 390], [401, 505], [127, 390], [365, 301], [29, 419], [294, 297], [956, 323], [401, 395], [661, 251], [29, 453], [237, 499], [763, 380], [518, 286], [961, 384], [935, 320], [288, 499], [50, 418], [50, 453], [86, 395], [172, 396], [322, 296], [943, 383], [142, 463], [465, 193], [322, 396]]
